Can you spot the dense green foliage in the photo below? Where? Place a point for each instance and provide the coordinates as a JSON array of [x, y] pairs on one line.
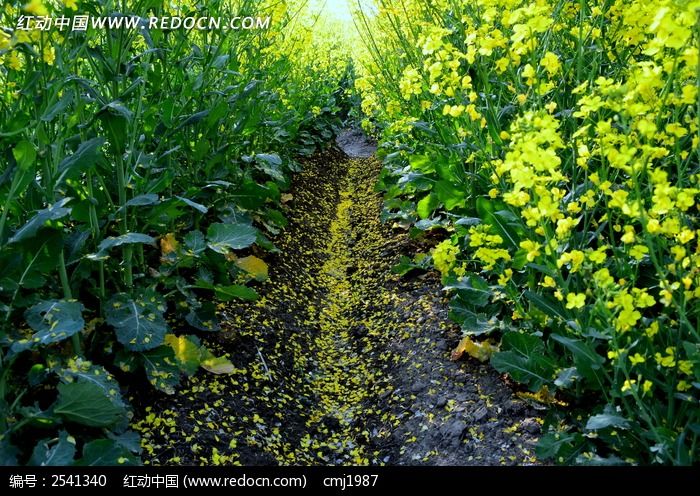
[[137, 168]]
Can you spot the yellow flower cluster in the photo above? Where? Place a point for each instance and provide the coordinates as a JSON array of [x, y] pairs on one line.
[[579, 122]]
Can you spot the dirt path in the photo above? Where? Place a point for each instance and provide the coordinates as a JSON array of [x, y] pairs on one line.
[[340, 361]]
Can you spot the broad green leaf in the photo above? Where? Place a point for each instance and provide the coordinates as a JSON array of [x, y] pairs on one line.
[[468, 221], [203, 317], [523, 357], [53, 453], [85, 403], [84, 157], [52, 321], [58, 107], [56, 211], [139, 322], [143, 200], [472, 323], [270, 164], [195, 243], [253, 266], [25, 154], [519, 368], [228, 293], [421, 163], [125, 239], [106, 452], [251, 195], [472, 289], [224, 237], [450, 195], [115, 119], [426, 206], [162, 368], [82, 370], [604, 420], [586, 360]]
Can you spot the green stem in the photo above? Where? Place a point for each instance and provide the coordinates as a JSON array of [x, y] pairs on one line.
[[68, 295]]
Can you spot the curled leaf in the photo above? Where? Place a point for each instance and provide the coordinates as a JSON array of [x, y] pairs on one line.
[[481, 350]]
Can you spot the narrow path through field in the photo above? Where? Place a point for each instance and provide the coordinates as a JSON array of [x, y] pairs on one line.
[[340, 361]]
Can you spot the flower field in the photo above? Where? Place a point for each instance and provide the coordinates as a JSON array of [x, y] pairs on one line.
[[553, 146], [541, 155]]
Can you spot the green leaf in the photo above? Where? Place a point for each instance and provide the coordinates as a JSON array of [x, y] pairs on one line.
[[524, 359], [472, 323], [81, 370], [83, 159], [53, 212], [143, 200], [162, 369], [223, 237], [53, 321], [548, 306], [25, 154], [604, 420], [426, 206], [421, 163], [271, 165], [269, 158], [195, 243], [450, 195], [228, 293], [106, 452], [139, 323], [197, 206], [61, 453], [125, 239], [567, 377], [85, 403], [203, 317], [586, 360], [472, 289], [251, 195]]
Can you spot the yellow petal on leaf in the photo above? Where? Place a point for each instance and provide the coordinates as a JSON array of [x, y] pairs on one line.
[[253, 266], [482, 351], [168, 243]]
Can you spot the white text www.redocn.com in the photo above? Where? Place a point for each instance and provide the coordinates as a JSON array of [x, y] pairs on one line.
[[115, 22]]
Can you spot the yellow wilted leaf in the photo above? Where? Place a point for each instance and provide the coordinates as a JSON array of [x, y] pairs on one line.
[[168, 243], [217, 365], [253, 266], [187, 353], [482, 351], [541, 396], [286, 197]]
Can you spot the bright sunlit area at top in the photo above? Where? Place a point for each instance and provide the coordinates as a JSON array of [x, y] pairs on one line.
[[341, 11], [336, 17], [338, 10]]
